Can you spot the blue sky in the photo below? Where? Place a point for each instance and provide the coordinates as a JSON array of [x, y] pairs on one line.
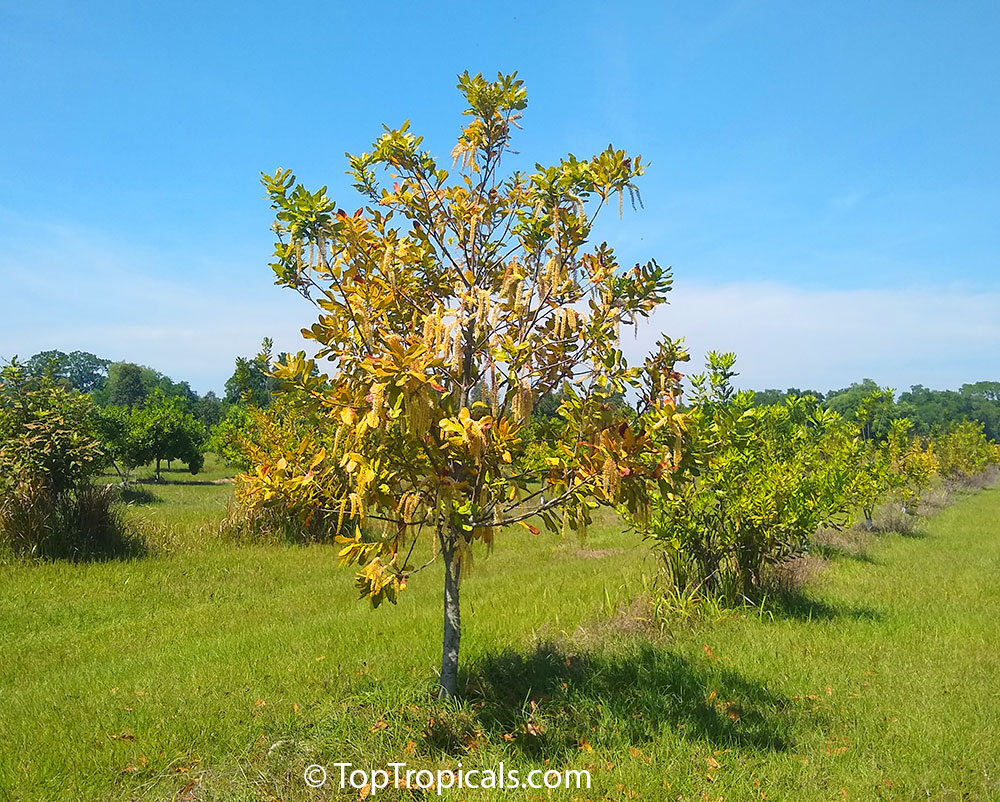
[[825, 177]]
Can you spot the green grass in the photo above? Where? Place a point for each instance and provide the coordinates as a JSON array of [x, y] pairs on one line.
[[182, 512], [239, 666]]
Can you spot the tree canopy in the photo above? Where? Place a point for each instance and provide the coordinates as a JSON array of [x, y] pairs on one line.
[[448, 306]]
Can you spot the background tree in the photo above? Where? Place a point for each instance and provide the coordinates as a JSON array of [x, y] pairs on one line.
[[448, 306], [251, 382], [123, 443], [125, 387], [208, 409], [80, 369]]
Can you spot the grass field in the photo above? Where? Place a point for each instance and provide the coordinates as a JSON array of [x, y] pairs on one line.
[[209, 671]]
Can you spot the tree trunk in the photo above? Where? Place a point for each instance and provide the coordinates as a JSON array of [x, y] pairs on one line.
[[869, 523], [157, 469], [448, 687]]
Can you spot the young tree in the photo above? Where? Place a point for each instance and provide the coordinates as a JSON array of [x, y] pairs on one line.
[[448, 306], [49, 454], [911, 465], [963, 451], [871, 465], [163, 430]]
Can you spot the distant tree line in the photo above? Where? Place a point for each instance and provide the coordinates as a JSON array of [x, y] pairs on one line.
[[930, 411], [143, 416], [148, 417]]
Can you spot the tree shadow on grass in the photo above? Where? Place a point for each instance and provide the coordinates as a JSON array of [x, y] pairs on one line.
[[138, 496], [550, 701], [794, 604], [166, 482]]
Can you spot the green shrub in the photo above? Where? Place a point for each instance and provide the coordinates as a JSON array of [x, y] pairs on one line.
[[49, 452], [757, 483], [963, 451]]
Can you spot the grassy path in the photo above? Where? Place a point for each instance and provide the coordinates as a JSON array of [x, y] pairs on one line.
[[225, 671]]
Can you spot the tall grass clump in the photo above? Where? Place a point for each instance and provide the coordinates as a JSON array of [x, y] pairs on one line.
[[86, 522], [277, 523]]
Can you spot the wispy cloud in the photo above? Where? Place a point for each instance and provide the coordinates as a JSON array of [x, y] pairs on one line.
[[786, 336], [70, 288]]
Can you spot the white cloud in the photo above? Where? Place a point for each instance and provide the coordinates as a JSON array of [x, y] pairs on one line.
[[69, 288], [820, 339]]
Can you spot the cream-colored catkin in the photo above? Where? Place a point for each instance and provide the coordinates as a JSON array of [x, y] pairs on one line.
[[457, 351], [551, 272], [336, 438], [514, 292], [378, 399], [429, 333], [439, 330], [523, 402], [410, 507], [509, 277], [571, 318], [418, 413], [366, 324], [485, 307], [477, 441], [610, 478]]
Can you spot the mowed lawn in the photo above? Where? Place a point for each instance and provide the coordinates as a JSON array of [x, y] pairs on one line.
[[210, 671]]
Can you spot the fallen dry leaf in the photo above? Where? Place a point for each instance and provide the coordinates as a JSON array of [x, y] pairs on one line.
[[187, 793]]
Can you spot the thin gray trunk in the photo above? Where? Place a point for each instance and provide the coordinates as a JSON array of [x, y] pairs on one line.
[[452, 621]]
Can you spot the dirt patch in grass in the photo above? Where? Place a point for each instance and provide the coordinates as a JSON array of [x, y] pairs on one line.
[[852, 540], [595, 554], [794, 575]]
